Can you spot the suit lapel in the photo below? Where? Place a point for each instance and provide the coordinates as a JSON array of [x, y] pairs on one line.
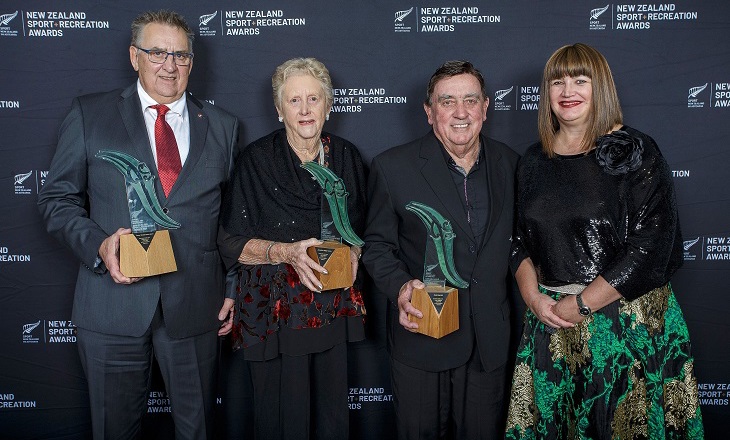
[[436, 173], [198, 131], [130, 110]]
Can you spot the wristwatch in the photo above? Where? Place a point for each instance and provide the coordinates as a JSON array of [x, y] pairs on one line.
[[582, 308]]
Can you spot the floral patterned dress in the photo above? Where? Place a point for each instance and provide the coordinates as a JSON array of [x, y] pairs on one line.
[[626, 371]]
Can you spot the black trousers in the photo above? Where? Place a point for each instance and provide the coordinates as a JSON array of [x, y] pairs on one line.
[[461, 403], [302, 397], [118, 371]]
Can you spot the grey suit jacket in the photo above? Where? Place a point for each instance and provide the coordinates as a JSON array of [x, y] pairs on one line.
[[84, 201], [396, 243]]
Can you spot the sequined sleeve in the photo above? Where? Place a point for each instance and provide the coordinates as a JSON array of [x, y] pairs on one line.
[[652, 249], [519, 249]]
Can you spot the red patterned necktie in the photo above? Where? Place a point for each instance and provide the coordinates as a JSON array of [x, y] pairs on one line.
[[168, 156]]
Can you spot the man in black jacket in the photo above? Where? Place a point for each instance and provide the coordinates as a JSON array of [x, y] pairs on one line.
[[454, 386]]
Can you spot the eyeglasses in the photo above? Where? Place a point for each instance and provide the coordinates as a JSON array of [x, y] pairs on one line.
[[160, 56]]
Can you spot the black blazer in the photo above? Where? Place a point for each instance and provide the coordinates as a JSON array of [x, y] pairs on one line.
[[84, 200], [396, 242]]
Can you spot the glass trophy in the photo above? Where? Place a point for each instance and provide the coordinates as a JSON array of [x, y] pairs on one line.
[[335, 227], [438, 301], [147, 251]]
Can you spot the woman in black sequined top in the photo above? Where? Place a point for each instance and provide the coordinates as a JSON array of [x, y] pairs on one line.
[[605, 351]]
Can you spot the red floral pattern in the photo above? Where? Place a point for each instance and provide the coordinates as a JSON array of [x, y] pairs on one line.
[[271, 297]]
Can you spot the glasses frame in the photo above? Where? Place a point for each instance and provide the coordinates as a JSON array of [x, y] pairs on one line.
[[167, 54]]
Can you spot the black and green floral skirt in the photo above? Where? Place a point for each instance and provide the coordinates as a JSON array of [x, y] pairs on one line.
[[625, 372]]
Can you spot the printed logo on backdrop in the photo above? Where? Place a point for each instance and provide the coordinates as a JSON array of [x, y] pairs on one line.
[[203, 29], [60, 332], [28, 336], [442, 18], [707, 248], [719, 95], [716, 394], [358, 398], [637, 16], [689, 253], [254, 22], [6, 29], [400, 26], [30, 182], [354, 100], [56, 23], [158, 402], [596, 23], [7, 257], [692, 100], [500, 103], [9, 401], [526, 98], [9, 104], [53, 331]]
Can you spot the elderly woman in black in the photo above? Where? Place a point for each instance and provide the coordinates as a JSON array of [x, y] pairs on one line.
[[292, 333], [605, 352]]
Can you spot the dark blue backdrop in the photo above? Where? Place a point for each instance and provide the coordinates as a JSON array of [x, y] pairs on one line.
[[670, 61]]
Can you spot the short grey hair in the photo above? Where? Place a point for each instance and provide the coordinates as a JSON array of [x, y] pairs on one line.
[[302, 66], [163, 16]]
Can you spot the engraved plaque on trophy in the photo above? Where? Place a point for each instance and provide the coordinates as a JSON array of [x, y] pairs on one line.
[[335, 226], [147, 251], [438, 301]]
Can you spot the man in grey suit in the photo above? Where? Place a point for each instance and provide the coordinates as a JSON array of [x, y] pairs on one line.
[[453, 387], [122, 321]]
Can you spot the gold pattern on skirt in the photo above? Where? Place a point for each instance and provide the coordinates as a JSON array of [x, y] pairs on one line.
[[629, 420], [571, 345], [681, 398], [522, 408], [648, 309]]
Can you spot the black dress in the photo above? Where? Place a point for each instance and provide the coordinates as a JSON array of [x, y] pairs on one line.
[[626, 371]]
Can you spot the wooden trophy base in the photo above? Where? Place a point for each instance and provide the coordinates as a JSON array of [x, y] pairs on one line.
[[135, 261], [335, 257], [440, 308]]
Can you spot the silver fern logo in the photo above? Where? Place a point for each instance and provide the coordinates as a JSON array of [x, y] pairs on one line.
[[203, 29], [28, 328], [500, 103], [694, 91], [27, 334], [399, 21], [5, 19], [431, 267], [595, 13], [20, 178], [400, 15], [5, 29], [205, 19], [692, 96], [594, 23], [500, 94], [689, 243]]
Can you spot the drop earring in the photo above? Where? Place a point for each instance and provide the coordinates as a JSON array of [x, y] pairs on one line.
[[327, 117], [281, 119]]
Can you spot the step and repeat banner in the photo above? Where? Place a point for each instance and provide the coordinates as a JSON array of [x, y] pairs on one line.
[[671, 62]]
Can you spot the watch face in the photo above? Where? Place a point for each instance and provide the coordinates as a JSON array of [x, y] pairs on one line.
[[585, 311]]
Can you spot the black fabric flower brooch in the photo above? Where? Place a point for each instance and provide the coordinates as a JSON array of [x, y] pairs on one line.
[[619, 152]]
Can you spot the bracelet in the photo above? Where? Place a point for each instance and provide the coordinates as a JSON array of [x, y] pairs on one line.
[[268, 249]]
